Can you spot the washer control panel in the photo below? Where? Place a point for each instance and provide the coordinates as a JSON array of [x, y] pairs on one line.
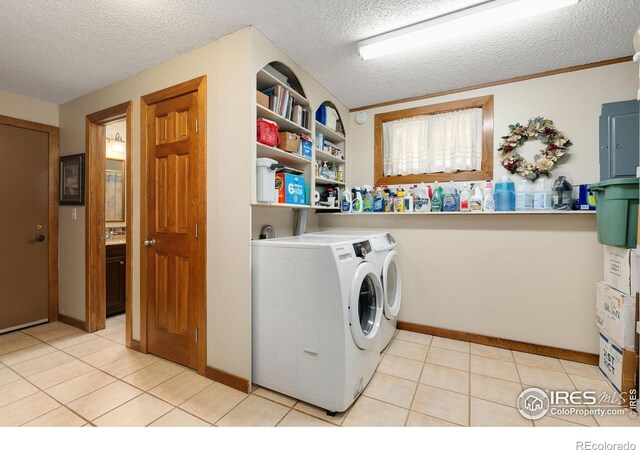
[[362, 249]]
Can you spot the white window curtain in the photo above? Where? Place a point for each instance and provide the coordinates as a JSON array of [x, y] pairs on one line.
[[447, 142]]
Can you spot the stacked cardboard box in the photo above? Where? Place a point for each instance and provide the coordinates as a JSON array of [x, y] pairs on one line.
[[616, 317]]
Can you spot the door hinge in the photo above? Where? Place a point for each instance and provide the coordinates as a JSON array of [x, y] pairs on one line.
[[196, 335], [197, 126], [196, 231]]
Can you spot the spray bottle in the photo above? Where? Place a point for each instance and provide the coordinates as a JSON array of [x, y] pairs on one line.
[[358, 205], [489, 202], [368, 200]]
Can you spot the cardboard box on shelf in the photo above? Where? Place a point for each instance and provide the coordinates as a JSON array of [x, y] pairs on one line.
[[616, 315], [262, 99], [289, 142], [619, 367], [621, 269], [291, 188]]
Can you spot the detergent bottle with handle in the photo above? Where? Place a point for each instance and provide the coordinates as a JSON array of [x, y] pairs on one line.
[[358, 203]]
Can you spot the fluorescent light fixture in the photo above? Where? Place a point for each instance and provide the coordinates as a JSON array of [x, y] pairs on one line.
[[486, 15]]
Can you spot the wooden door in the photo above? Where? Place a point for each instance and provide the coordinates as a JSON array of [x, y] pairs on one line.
[[171, 239], [24, 197]]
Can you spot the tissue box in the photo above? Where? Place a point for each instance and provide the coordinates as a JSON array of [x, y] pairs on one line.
[[616, 315], [306, 147], [290, 188]]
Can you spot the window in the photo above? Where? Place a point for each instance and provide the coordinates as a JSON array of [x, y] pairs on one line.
[[447, 141]]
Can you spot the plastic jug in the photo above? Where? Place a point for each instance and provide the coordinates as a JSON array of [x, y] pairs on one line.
[[524, 196], [436, 201], [450, 197], [421, 200], [505, 195], [368, 200], [542, 195]]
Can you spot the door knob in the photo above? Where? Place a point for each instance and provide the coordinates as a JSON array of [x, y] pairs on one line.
[[149, 242], [40, 238]]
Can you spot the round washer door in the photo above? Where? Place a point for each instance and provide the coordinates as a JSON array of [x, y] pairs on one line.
[[392, 285], [365, 306]]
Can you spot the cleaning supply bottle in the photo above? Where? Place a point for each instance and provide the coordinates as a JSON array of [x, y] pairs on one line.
[[398, 204], [475, 202], [377, 200], [489, 202], [524, 198], [408, 201], [542, 195], [386, 206], [465, 198], [421, 199], [347, 202], [392, 200], [505, 196], [358, 205], [368, 200], [449, 199], [436, 201]]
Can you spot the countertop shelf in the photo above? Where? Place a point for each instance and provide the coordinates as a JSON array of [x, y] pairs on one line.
[[458, 213]]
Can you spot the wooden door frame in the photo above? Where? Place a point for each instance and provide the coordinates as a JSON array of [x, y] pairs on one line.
[[198, 86], [54, 154], [95, 295]]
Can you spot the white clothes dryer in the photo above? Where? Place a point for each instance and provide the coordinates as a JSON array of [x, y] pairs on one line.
[[318, 305], [384, 247]]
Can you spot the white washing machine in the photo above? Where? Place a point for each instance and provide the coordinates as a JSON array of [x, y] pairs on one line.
[[317, 310], [384, 247]]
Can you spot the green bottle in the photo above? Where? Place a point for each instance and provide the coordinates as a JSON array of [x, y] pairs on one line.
[[436, 201]]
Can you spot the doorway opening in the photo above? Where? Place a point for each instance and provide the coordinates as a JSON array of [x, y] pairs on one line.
[[109, 251]]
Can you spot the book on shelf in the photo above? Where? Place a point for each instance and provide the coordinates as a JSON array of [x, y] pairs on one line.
[[284, 104]]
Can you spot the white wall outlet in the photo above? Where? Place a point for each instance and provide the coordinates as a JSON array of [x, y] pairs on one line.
[[74, 213]]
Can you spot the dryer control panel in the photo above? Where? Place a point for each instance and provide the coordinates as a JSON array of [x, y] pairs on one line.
[[362, 249]]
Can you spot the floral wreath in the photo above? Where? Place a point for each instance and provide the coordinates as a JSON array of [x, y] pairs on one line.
[[545, 131]]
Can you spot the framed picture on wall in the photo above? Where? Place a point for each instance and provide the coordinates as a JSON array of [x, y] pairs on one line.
[[72, 179]]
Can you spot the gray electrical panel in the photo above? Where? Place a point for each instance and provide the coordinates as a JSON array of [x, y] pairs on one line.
[[619, 139]]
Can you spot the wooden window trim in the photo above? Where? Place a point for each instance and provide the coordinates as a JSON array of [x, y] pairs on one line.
[[486, 167]]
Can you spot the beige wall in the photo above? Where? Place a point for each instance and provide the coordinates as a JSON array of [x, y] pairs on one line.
[[26, 108], [526, 278], [227, 64]]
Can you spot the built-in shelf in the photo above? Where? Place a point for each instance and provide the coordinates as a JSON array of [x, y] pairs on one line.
[[281, 205], [327, 208], [330, 135], [325, 181], [265, 151], [265, 80], [324, 156], [478, 214], [283, 123]]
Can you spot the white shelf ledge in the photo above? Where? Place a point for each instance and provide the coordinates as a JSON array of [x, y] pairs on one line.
[[479, 214]]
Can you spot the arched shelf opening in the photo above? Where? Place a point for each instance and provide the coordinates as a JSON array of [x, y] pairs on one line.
[[329, 122]]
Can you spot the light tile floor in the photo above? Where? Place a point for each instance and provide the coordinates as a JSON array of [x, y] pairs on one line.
[[56, 375]]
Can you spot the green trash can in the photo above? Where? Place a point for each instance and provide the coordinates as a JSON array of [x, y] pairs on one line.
[[617, 211]]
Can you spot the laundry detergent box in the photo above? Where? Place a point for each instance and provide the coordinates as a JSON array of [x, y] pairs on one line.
[[619, 367], [291, 188], [616, 315], [621, 269]]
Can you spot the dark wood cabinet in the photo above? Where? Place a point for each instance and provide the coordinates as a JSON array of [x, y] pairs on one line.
[[116, 279]]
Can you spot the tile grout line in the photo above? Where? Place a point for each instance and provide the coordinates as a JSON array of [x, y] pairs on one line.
[[415, 391]]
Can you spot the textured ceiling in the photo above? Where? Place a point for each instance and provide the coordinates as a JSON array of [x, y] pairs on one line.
[[56, 51]]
